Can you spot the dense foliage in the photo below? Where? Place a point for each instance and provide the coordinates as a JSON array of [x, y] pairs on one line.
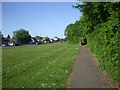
[[8, 36], [100, 25], [22, 36], [73, 33]]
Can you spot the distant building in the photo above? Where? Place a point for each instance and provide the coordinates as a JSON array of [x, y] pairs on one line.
[[38, 38], [33, 40]]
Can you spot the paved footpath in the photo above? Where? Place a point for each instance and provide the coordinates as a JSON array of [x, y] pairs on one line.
[[85, 72]]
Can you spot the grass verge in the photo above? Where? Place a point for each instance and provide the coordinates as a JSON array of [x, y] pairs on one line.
[[38, 66]]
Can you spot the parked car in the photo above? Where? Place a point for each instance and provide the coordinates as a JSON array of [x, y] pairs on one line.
[[31, 42], [16, 44], [37, 43], [11, 44], [3, 45]]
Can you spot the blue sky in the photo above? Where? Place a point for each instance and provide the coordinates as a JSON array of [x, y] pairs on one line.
[[39, 18]]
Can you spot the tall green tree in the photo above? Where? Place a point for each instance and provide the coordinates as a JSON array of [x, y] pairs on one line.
[[73, 32], [8, 36], [22, 36]]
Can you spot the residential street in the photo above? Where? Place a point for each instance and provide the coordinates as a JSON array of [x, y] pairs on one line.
[[86, 73]]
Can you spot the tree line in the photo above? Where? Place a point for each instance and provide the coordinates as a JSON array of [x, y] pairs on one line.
[[100, 25], [22, 36]]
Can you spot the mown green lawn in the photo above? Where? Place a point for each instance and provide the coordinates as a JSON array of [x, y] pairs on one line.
[[38, 66]]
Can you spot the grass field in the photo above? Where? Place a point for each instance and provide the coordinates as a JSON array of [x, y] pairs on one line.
[[38, 66]]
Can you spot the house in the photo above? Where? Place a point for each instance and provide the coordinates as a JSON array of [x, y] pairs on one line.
[[33, 40], [38, 38], [46, 39]]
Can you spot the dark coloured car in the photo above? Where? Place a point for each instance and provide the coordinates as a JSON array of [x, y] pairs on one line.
[[16, 44], [37, 43]]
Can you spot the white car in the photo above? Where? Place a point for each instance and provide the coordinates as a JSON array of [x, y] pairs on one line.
[[3, 45], [11, 44]]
